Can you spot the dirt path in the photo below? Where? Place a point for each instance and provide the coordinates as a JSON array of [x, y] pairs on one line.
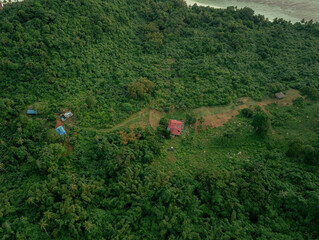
[[213, 116], [145, 117]]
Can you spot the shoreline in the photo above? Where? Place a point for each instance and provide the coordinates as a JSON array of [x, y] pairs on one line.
[[290, 10], [191, 3]]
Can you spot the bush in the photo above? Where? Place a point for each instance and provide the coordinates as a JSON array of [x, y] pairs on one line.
[[201, 120], [90, 101], [140, 88], [311, 156], [299, 102], [162, 130], [190, 119], [311, 91], [164, 121], [127, 107], [52, 136], [248, 113], [295, 148], [261, 123]]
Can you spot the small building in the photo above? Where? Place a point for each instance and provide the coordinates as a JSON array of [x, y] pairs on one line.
[[170, 149], [60, 130], [240, 101], [32, 112], [66, 115], [175, 127], [279, 95]]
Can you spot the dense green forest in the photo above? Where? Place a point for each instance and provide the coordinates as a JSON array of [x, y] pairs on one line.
[[256, 177]]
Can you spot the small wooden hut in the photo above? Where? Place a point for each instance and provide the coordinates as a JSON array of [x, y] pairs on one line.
[[279, 95]]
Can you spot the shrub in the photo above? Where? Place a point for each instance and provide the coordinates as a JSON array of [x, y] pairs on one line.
[[248, 113], [127, 107], [140, 88], [162, 130], [90, 101], [311, 156], [163, 121], [311, 91], [295, 148], [261, 123], [190, 119], [299, 102], [201, 120]]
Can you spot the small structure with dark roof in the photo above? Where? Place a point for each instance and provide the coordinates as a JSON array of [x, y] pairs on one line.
[[66, 116], [175, 127], [240, 101], [279, 95]]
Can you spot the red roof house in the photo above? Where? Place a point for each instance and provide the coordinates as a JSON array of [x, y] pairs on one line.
[[175, 127]]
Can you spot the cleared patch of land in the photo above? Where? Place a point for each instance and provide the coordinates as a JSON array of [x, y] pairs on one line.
[[217, 116], [211, 150], [213, 116], [155, 117]]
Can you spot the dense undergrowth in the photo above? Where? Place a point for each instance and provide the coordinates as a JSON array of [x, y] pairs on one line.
[[254, 178]]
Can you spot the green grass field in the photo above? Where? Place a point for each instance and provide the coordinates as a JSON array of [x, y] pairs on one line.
[[210, 149]]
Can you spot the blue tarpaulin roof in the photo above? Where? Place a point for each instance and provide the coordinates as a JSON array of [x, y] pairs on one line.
[[60, 130], [32, 112]]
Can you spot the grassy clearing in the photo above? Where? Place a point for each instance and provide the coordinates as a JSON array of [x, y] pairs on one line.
[[292, 123], [154, 118], [210, 149], [217, 116], [136, 120], [142, 119], [213, 116]]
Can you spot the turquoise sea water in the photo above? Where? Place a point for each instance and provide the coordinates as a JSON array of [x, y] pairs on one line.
[[291, 10]]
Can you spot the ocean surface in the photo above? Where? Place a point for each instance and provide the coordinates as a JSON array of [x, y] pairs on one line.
[[290, 10]]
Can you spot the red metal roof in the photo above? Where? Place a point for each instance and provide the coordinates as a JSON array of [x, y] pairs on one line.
[[175, 127]]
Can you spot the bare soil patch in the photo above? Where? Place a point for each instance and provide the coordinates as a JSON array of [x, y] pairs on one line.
[[218, 116], [58, 123]]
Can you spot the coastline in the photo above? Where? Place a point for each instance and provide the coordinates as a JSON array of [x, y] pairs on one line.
[[289, 10], [191, 3]]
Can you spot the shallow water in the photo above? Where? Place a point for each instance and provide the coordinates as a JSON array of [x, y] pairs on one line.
[[290, 10]]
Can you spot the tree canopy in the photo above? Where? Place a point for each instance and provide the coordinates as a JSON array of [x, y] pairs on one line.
[[106, 61]]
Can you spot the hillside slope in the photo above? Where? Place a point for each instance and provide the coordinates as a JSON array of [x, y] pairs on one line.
[[256, 177], [62, 51]]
